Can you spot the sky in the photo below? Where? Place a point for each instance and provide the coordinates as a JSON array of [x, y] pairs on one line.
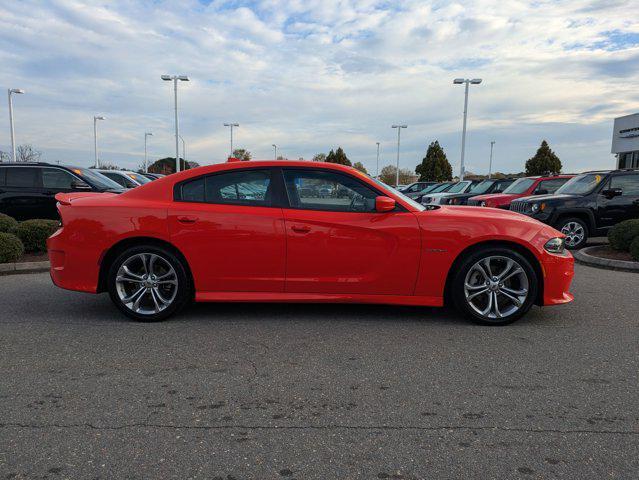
[[313, 75]]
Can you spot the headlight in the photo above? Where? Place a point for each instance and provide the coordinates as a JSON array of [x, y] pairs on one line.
[[538, 207], [482, 204], [555, 245]]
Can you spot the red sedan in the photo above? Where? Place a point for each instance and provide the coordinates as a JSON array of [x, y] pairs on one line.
[[301, 232], [522, 187]]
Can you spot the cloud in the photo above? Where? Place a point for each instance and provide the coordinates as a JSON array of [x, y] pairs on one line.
[[311, 75]]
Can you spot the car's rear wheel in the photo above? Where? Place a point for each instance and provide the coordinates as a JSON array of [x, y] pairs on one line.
[[494, 286], [576, 232], [148, 283]]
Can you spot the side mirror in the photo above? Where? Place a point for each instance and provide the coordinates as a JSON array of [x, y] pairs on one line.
[[541, 192], [384, 204], [612, 192], [78, 185]]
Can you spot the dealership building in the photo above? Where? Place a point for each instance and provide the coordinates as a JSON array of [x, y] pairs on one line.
[[625, 141]]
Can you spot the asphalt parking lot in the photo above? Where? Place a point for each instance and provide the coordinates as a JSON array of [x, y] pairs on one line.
[[240, 391]]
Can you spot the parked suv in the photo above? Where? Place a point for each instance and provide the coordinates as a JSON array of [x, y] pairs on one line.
[[439, 198], [587, 205], [27, 190], [522, 187], [490, 185], [125, 178]]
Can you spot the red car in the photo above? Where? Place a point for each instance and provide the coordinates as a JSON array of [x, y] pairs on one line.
[[269, 232], [522, 187]]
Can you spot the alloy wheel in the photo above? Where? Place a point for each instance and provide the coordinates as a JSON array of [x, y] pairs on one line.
[[496, 287], [146, 283], [574, 232]]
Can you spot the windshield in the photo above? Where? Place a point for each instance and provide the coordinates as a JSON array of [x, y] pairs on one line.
[[430, 188], [458, 187], [138, 178], [520, 186], [581, 184], [97, 179], [408, 200], [442, 187], [482, 187]]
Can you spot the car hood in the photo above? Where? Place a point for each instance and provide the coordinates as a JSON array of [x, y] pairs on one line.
[[545, 198], [497, 198]]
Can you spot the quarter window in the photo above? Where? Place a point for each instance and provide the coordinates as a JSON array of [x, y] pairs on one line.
[[25, 177], [629, 184], [323, 190], [193, 191], [54, 178]]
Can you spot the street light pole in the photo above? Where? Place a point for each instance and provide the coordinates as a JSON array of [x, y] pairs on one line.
[[466, 82], [377, 176], [183, 150], [490, 165], [275, 147], [10, 92], [175, 78], [146, 165], [95, 137], [231, 125], [399, 129]]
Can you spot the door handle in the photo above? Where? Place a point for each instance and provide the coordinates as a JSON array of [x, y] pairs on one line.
[[187, 219], [301, 228]]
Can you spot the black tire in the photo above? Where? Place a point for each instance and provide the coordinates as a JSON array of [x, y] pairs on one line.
[[183, 290], [572, 240], [499, 256]]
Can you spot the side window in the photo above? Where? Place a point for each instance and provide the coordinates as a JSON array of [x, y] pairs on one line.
[[629, 184], [193, 191], [330, 191], [55, 178], [245, 187], [551, 186], [25, 177], [503, 185]]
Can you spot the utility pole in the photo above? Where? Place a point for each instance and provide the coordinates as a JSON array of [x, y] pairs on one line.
[[466, 82], [490, 165], [377, 176], [399, 129]]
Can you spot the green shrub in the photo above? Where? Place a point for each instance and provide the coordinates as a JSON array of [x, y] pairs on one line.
[[623, 233], [634, 248], [11, 248], [34, 233], [7, 224]]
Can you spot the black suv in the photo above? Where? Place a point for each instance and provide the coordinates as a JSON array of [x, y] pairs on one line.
[[27, 190], [587, 205]]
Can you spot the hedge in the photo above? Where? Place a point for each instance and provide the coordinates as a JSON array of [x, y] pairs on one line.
[[11, 248], [622, 234], [7, 224], [34, 233], [634, 248]]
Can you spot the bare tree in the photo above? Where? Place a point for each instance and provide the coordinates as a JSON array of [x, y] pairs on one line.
[[26, 153], [4, 156]]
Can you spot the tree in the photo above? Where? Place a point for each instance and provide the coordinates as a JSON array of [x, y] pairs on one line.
[[359, 166], [545, 162], [4, 156], [108, 166], [338, 157], [319, 157], [435, 167], [166, 166], [26, 153], [388, 175], [242, 154], [280, 157]]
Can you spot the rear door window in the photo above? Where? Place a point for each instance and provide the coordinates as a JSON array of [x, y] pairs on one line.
[[22, 177]]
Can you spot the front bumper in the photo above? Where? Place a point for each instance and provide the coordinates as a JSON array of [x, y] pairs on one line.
[[558, 272]]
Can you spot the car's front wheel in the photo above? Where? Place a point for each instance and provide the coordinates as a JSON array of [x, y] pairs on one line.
[[148, 283], [494, 286], [576, 232]]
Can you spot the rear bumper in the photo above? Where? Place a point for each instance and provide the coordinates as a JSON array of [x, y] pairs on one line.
[[558, 271], [72, 266]]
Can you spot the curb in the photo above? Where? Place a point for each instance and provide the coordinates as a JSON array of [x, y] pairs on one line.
[[24, 267], [582, 256]]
